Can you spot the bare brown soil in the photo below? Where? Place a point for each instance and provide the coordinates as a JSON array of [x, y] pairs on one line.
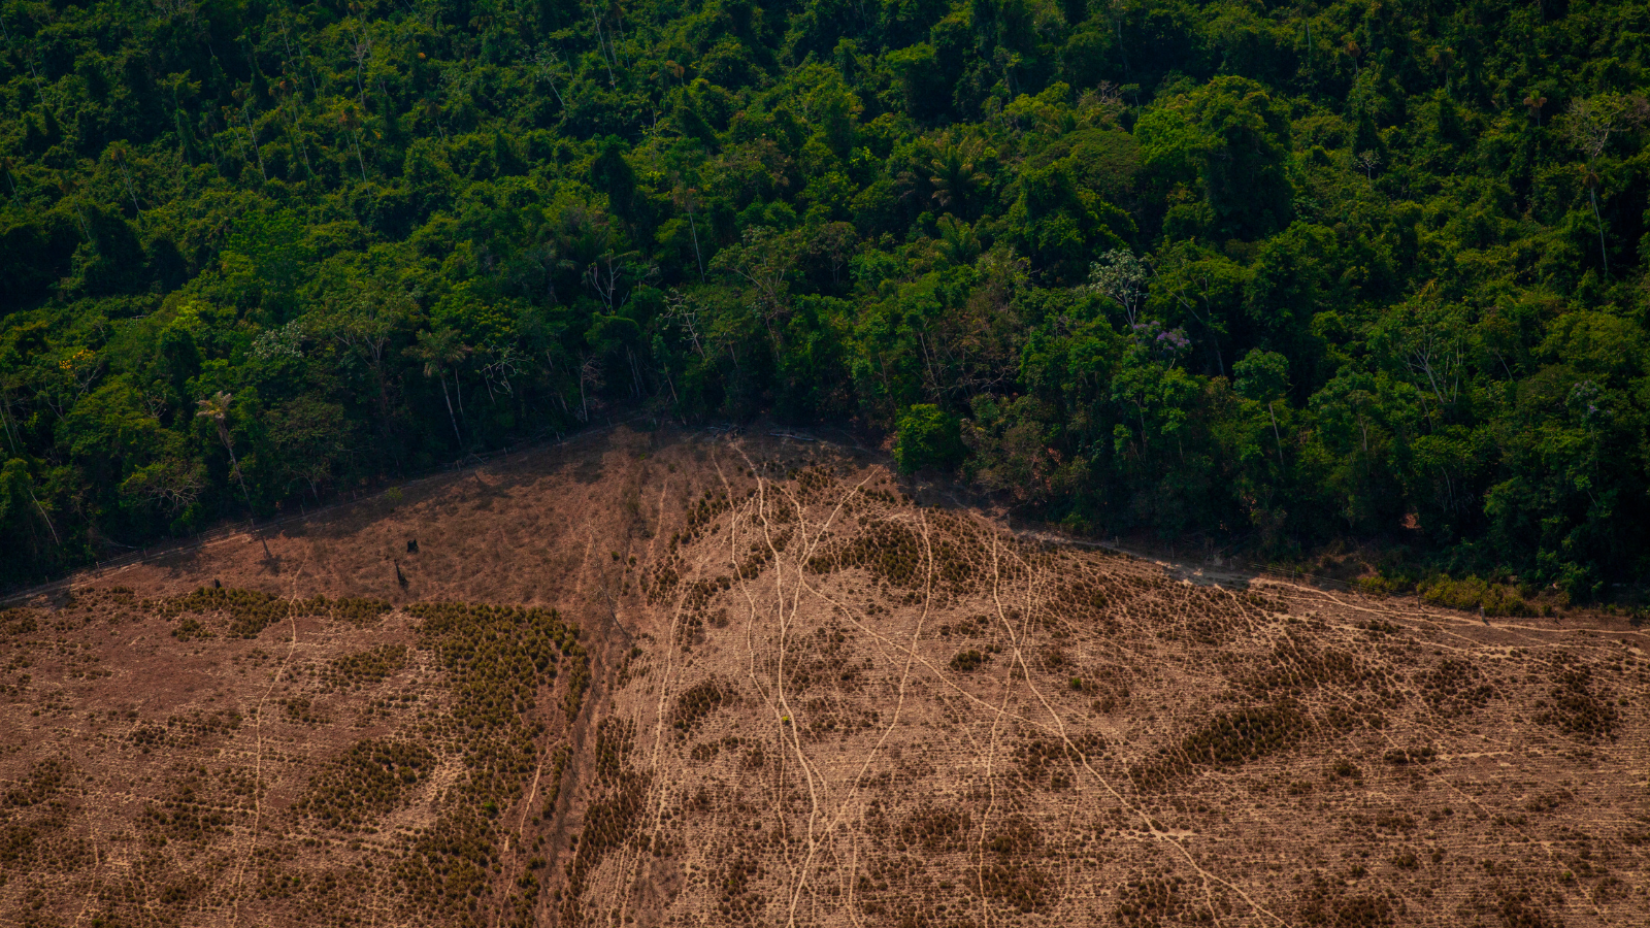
[[731, 681]]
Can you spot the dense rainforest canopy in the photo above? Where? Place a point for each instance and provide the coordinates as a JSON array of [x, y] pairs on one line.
[[1270, 273]]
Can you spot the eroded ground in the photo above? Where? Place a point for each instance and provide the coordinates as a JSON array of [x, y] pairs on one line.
[[226, 758], [811, 702]]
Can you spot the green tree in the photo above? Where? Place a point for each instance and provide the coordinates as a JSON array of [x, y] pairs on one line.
[[927, 438], [1233, 139], [216, 409], [437, 351], [1263, 377]]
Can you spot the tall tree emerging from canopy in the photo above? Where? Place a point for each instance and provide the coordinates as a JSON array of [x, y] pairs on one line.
[[438, 351], [215, 409]]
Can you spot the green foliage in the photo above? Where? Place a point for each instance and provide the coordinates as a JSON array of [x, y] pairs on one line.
[[927, 438], [1262, 376], [1473, 593], [1178, 267]]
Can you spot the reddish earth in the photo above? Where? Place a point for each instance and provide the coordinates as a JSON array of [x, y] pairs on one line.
[[696, 679]]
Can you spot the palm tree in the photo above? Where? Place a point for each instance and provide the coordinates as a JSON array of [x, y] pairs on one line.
[[1590, 126], [216, 408], [956, 171], [438, 350]]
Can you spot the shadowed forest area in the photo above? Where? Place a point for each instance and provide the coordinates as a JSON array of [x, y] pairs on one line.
[[1271, 274]]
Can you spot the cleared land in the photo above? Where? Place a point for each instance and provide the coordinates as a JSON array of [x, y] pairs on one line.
[[686, 680]]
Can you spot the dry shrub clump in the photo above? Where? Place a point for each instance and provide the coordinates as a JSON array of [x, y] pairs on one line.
[[814, 482], [1229, 739], [762, 552], [1019, 883], [823, 657], [364, 668], [1455, 688], [1049, 764], [659, 580], [174, 821], [187, 731], [301, 710], [368, 782], [1327, 904], [1153, 900], [252, 611], [191, 629], [611, 819], [35, 830], [701, 516], [1090, 602], [935, 829], [1577, 708], [249, 611], [888, 550], [17, 622], [1297, 665], [360, 612], [1403, 757], [498, 660], [698, 702], [1517, 909], [1012, 877], [740, 902], [45, 779]]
